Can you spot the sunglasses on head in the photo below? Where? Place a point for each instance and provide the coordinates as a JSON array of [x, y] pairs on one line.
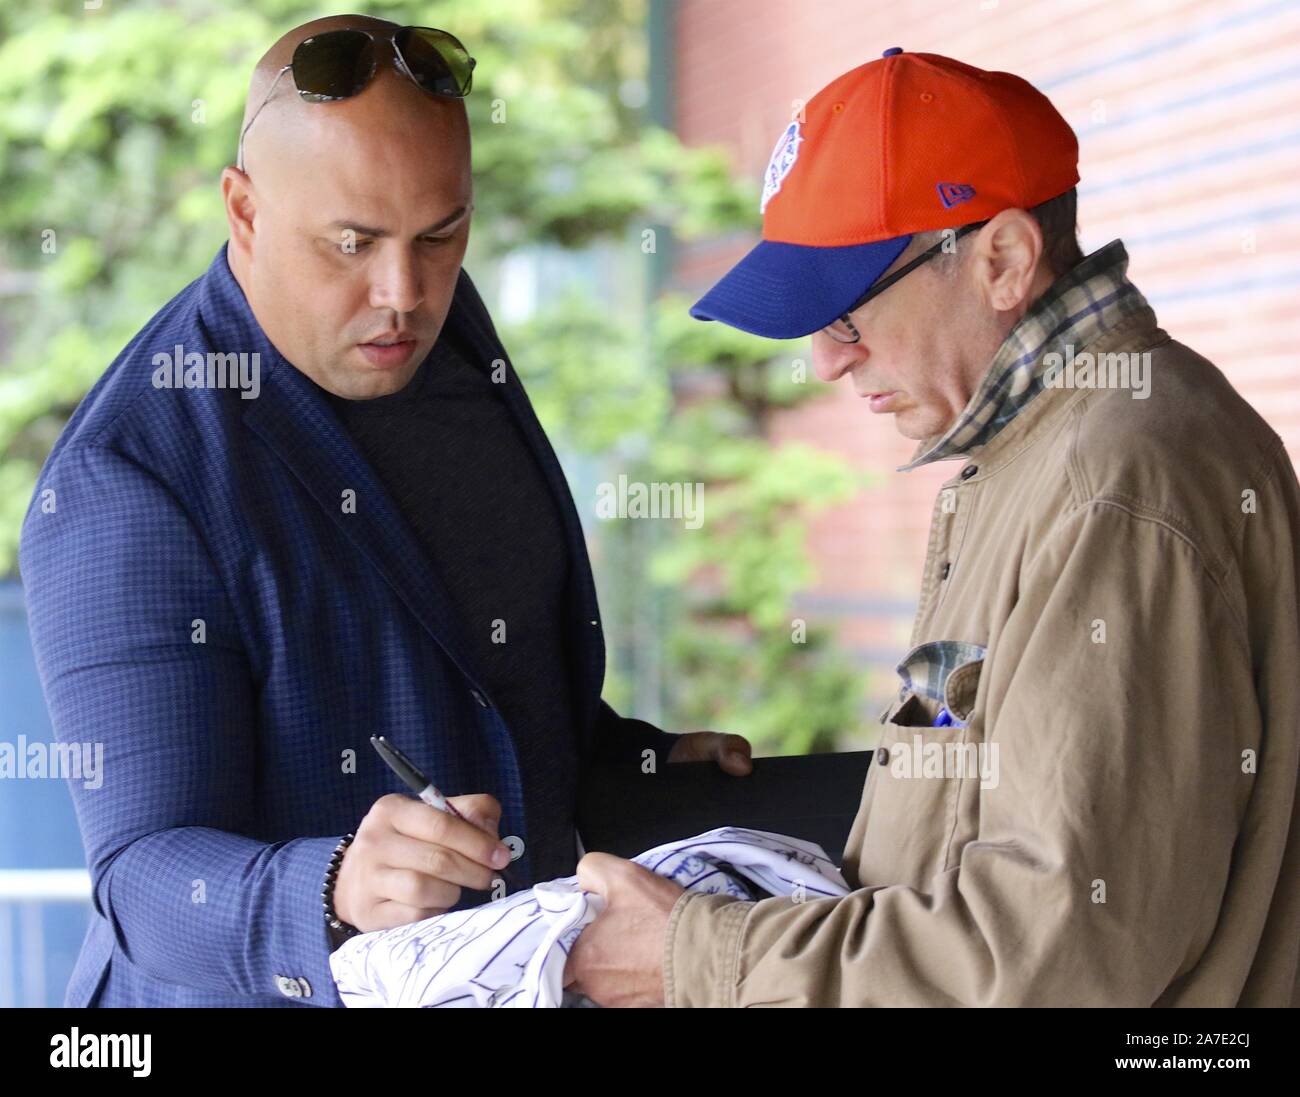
[[340, 63]]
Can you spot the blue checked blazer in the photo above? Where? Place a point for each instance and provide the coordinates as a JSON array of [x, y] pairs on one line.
[[202, 605]]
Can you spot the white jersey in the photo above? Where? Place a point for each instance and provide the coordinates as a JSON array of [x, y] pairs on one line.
[[512, 952]]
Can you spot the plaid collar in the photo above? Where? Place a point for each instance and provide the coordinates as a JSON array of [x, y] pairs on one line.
[[1078, 307]]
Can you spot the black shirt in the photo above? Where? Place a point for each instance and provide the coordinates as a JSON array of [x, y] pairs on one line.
[[449, 451]]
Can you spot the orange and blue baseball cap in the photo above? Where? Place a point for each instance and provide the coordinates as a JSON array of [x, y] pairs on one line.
[[912, 142]]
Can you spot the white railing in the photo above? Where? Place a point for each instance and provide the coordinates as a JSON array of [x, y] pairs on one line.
[[25, 893]]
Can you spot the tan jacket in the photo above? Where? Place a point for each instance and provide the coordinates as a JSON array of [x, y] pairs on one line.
[[1129, 568]]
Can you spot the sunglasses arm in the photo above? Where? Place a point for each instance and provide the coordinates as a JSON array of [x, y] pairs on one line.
[[239, 162]]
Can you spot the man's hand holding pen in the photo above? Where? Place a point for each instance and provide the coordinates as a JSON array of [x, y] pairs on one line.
[[409, 861], [411, 858]]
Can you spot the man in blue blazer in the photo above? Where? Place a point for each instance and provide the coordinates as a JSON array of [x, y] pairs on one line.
[[308, 503]]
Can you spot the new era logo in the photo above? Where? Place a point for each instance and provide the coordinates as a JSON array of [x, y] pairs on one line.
[[950, 194]]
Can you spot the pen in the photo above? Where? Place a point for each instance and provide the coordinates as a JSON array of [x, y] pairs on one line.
[[411, 776], [423, 788]]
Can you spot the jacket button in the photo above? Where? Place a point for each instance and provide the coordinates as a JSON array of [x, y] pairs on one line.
[[969, 471], [515, 845], [947, 567], [882, 757], [479, 698], [288, 986]]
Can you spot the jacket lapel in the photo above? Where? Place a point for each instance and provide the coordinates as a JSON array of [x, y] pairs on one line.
[[470, 319], [300, 427]]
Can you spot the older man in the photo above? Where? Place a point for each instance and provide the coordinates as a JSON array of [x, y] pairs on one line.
[[1085, 791], [309, 503]]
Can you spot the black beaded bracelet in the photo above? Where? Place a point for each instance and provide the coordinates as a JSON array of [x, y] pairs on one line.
[[341, 930]]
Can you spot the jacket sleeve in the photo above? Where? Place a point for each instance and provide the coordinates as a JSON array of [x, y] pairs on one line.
[[623, 738], [1092, 873], [139, 653]]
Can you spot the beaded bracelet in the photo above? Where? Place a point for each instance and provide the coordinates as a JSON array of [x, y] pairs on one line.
[[341, 930]]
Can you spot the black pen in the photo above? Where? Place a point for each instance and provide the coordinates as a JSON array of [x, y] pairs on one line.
[[411, 776], [419, 784]]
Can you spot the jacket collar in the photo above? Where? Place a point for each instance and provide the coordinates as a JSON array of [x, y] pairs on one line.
[[1075, 311], [1138, 333]]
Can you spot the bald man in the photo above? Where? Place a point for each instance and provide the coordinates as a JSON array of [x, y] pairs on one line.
[[310, 503]]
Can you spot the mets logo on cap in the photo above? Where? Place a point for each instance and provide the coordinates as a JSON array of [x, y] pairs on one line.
[[778, 167]]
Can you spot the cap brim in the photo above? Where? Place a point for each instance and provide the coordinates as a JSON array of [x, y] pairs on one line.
[[785, 291]]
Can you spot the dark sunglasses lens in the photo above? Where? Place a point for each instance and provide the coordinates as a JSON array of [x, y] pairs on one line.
[[333, 65], [438, 61]]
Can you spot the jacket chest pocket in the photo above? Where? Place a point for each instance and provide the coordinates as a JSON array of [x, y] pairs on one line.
[[909, 817]]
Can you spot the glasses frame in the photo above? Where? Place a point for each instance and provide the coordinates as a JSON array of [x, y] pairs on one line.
[[399, 63], [883, 284]]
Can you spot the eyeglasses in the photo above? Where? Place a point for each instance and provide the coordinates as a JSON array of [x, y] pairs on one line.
[[340, 63], [842, 329]]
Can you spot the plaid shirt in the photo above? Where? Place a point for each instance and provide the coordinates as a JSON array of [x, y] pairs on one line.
[[1092, 298]]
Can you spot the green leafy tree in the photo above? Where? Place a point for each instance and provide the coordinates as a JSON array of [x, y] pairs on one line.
[[117, 125], [744, 659]]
